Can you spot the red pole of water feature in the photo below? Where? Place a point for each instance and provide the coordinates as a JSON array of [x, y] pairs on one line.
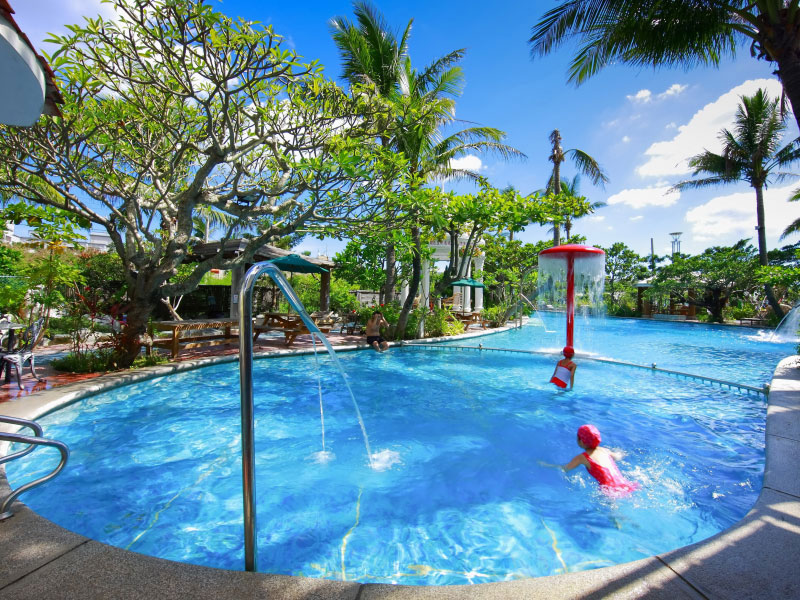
[[570, 253], [570, 299]]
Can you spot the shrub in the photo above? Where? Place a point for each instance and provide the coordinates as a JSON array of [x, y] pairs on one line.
[[438, 323], [496, 315], [622, 310], [92, 361], [101, 360]]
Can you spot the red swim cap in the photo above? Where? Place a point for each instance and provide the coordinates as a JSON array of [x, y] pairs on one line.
[[589, 436], [568, 351]]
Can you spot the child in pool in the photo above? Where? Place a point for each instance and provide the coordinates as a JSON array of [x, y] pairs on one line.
[[600, 463], [565, 369]]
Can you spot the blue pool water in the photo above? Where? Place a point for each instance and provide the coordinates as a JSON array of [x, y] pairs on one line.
[[461, 497]]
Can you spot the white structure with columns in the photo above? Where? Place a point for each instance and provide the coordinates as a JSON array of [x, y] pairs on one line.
[[462, 301]]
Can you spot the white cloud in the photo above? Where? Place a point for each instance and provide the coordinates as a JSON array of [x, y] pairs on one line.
[[625, 139], [674, 90], [597, 218], [637, 218], [652, 196], [39, 18], [641, 97], [469, 162], [669, 157], [671, 125], [725, 219]]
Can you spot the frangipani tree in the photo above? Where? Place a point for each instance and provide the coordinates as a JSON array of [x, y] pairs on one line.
[[173, 109]]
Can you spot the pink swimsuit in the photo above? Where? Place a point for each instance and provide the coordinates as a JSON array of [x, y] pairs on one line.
[[612, 482]]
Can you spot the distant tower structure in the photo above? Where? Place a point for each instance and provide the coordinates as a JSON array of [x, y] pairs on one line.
[[676, 242]]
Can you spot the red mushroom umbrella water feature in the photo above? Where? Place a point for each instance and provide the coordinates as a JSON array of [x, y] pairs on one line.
[[589, 264]]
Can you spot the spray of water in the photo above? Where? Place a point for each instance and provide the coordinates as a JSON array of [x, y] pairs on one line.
[[589, 278], [295, 302], [322, 456]]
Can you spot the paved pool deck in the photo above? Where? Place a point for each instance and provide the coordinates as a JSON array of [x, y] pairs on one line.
[[756, 558]]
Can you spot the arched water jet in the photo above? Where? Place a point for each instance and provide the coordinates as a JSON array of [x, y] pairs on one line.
[[246, 391], [787, 329]]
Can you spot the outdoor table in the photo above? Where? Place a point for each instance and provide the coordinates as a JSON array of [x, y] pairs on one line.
[[470, 318], [11, 328], [178, 340], [291, 325]]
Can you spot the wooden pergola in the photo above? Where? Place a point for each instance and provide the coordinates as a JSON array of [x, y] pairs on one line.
[[233, 248]]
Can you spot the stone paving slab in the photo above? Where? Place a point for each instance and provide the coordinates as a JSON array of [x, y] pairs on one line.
[[781, 471], [95, 570], [647, 578], [28, 542], [783, 415], [755, 559]]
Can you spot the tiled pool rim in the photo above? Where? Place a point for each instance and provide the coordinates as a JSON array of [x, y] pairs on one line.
[[755, 558]]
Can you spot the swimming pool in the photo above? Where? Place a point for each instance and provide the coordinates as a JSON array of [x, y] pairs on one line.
[[155, 466]]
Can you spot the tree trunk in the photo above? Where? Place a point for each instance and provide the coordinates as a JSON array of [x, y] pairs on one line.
[[129, 343], [557, 158], [762, 251], [788, 60], [715, 301], [413, 286], [387, 292]]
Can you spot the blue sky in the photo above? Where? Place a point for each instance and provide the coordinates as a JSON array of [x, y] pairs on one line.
[[641, 125]]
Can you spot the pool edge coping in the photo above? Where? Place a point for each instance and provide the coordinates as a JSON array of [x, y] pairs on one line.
[[720, 566]]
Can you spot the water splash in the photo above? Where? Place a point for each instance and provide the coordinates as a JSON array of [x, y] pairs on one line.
[[385, 459], [787, 329]]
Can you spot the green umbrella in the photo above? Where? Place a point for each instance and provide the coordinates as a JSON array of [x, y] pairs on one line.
[[296, 264], [468, 283]]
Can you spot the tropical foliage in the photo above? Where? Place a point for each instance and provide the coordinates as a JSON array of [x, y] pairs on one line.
[[173, 107], [752, 152]]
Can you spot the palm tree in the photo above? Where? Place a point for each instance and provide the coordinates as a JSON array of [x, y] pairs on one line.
[[427, 106], [585, 163], [372, 53], [674, 33], [751, 153], [571, 189]]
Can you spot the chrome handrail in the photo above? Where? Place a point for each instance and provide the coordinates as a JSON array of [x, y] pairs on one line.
[[37, 430], [5, 513]]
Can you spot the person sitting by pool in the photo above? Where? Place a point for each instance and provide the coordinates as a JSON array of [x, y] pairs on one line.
[[565, 369], [374, 339], [600, 463]]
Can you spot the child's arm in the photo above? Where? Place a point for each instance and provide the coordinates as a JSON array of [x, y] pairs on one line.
[[616, 453], [572, 368], [575, 462]]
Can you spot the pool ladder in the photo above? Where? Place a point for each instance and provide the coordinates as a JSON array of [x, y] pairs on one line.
[[33, 442]]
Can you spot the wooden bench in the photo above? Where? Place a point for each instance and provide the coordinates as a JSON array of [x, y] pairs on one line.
[[753, 321], [179, 341]]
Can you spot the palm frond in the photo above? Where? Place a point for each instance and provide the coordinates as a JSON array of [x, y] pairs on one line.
[[640, 32], [588, 166]]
